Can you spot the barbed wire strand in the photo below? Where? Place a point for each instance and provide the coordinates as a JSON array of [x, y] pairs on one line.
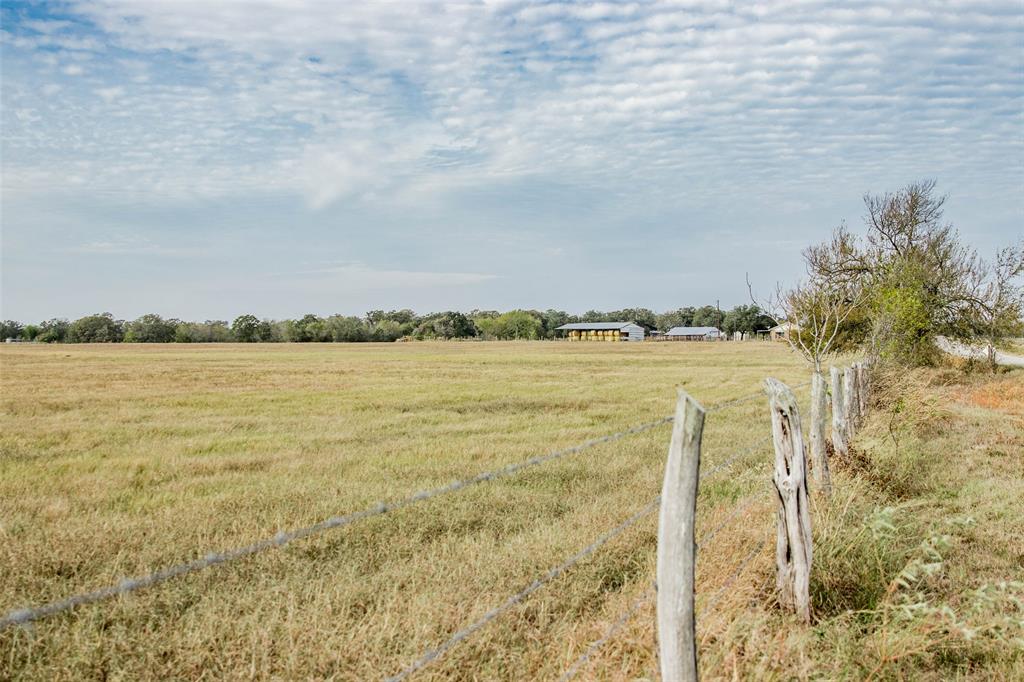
[[584, 658], [126, 585], [731, 579], [736, 511], [624, 618], [736, 573], [732, 460], [553, 573], [746, 398], [23, 616]]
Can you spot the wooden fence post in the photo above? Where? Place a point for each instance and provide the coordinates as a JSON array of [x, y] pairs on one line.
[[819, 408], [838, 415], [850, 403], [793, 548], [677, 547]]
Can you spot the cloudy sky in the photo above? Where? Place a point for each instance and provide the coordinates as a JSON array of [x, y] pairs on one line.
[[204, 159]]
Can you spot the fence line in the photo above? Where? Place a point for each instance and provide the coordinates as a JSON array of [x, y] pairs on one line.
[[27, 615], [126, 585], [553, 573], [22, 616], [743, 399], [461, 635], [571, 672]]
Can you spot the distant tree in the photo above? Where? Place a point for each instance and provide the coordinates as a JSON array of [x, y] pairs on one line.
[[520, 324], [998, 300], [681, 317], [11, 329], [346, 329], [150, 329], [448, 325], [552, 320], [746, 319], [53, 331], [183, 333], [707, 316], [387, 330], [101, 328], [402, 317], [641, 316], [488, 327], [246, 329], [30, 332], [210, 331], [279, 330], [309, 328], [516, 324], [265, 331]]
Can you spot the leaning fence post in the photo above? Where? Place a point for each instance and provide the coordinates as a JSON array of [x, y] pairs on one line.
[[819, 460], [850, 402], [793, 541], [838, 415], [676, 545]]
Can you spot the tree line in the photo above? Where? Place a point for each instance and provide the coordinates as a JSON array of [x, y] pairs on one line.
[[376, 325]]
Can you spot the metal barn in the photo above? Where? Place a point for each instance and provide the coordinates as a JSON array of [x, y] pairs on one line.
[[602, 331], [694, 334]]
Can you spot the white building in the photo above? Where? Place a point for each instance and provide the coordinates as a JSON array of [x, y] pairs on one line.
[[694, 334]]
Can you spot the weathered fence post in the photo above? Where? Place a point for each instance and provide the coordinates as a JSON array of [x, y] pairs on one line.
[[793, 542], [819, 460], [850, 403], [838, 415], [676, 545]]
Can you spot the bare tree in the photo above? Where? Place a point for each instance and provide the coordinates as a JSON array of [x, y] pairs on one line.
[[998, 299], [813, 314]]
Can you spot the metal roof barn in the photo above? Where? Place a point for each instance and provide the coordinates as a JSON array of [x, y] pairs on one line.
[[694, 333], [602, 331]]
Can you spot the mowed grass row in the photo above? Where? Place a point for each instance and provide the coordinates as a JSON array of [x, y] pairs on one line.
[[117, 460]]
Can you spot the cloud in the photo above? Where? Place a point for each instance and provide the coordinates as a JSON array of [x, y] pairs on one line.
[[108, 95], [434, 136], [129, 246], [335, 102], [359, 277]]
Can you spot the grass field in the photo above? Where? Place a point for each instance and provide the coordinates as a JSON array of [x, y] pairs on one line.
[[116, 460]]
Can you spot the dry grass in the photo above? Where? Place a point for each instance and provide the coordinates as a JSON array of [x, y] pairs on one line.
[[919, 556], [118, 460]]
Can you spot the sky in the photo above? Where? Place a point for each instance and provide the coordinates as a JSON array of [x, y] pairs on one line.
[[207, 159]]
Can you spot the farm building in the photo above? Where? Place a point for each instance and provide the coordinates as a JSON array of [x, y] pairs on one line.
[[779, 332], [694, 334], [602, 331]]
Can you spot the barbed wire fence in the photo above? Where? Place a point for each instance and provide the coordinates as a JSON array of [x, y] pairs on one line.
[[852, 401], [27, 615]]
